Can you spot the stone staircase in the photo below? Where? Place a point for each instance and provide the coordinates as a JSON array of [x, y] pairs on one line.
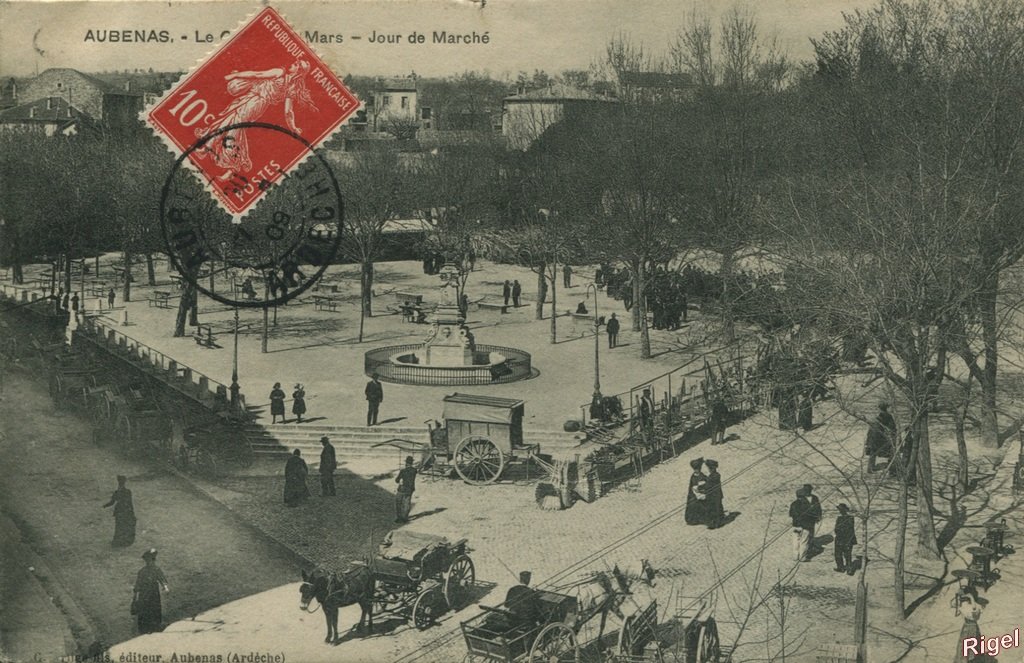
[[278, 440]]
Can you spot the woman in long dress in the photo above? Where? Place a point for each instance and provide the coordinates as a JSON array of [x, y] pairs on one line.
[[295, 472], [299, 402], [695, 498], [146, 604], [124, 514], [255, 92], [277, 403]]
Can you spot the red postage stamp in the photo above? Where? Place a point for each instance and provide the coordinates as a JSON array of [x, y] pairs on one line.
[[264, 74]]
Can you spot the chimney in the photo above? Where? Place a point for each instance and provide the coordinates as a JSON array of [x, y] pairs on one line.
[[127, 86], [69, 111], [520, 89], [49, 103], [31, 112]]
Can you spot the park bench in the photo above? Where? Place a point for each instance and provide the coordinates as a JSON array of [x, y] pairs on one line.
[[408, 298], [494, 306], [160, 299], [321, 302], [204, 336]]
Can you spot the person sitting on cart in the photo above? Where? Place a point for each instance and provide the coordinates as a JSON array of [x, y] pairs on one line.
[[522, 601]]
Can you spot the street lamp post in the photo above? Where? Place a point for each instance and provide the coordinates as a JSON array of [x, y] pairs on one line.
[[234, 368], [597, 345]]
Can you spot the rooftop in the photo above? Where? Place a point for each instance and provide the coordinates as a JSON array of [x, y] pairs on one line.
[[50, 109], [558, 92]]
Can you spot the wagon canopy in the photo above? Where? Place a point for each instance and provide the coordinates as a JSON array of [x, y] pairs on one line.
[[483, 409]]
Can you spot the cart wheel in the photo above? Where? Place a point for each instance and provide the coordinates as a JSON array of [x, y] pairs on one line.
[[633, 637], [388, 603], [708, 649], [556, 643], [206, 464], [55, 390], [478, 461], [123, 435], [429, 606], [459, 581]]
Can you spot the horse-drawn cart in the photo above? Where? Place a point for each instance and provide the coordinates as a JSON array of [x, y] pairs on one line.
[[480, 438], [549, 629], [421, 576]]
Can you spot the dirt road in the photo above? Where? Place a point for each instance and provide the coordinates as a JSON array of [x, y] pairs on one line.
[[55, 483]]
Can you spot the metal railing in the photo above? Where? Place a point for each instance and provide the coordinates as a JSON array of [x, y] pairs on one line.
[[517, 366], [175, 374]]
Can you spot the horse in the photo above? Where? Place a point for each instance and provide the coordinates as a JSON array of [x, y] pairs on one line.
[[333, 591], [601, 592]]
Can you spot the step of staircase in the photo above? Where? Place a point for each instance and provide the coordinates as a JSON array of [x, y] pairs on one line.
[[277, 440]]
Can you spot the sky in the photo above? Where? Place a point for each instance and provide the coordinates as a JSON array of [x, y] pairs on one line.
[[524, 35]]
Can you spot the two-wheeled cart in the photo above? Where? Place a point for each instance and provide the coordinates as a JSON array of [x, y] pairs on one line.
[[420, 576]]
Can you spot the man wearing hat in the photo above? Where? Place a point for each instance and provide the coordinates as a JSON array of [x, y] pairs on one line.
[[521, 600], [146, 604], [881, 436], [805, 512], [374, 397], [328, 463], [695, 497], [406, 481], [714, 512], [845, 539]]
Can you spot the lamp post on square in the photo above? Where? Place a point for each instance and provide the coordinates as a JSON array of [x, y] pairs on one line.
[[597, 345]]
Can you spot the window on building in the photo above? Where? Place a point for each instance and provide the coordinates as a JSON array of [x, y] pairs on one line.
[[387, 100], [405, 103]]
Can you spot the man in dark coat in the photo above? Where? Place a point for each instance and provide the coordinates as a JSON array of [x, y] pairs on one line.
[[613, 331], [805, 412], [647, 412], [74, 303], [714, 512], [295, 472], [124, 514], [328, 463], [695, 495], [805, 512], [374, 397], [110, 298], [845, 539], [517, 292], [506, 291], [566, 276], [719, 420], [406, 481], [881, 434], [146, 605]]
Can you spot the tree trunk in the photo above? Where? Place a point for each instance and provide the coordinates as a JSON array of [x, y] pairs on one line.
[[126, 294], [640, 305], [541, 275], [193, 309], [96, 265], [990, 338], [67, 272], [150, 269], [184, 308], [899, 557], [636, 266], [725, 273], [927, 541], [554, 308], [266, 315], [17, 276], [962, 478], [366, 290]]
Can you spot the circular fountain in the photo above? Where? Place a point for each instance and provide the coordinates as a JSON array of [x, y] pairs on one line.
[[450, 354]]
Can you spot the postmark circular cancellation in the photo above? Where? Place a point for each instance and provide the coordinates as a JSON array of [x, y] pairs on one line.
[[273, 254], [248, 191]]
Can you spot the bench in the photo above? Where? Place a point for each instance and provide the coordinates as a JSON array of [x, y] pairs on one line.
[[408, 298], [204, 336], [320, 303], [494, 306], [160, 299]]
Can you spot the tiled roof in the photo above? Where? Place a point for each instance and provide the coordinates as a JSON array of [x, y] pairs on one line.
[[91, 80], [57, 111], [558, 92], [398, 84]]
